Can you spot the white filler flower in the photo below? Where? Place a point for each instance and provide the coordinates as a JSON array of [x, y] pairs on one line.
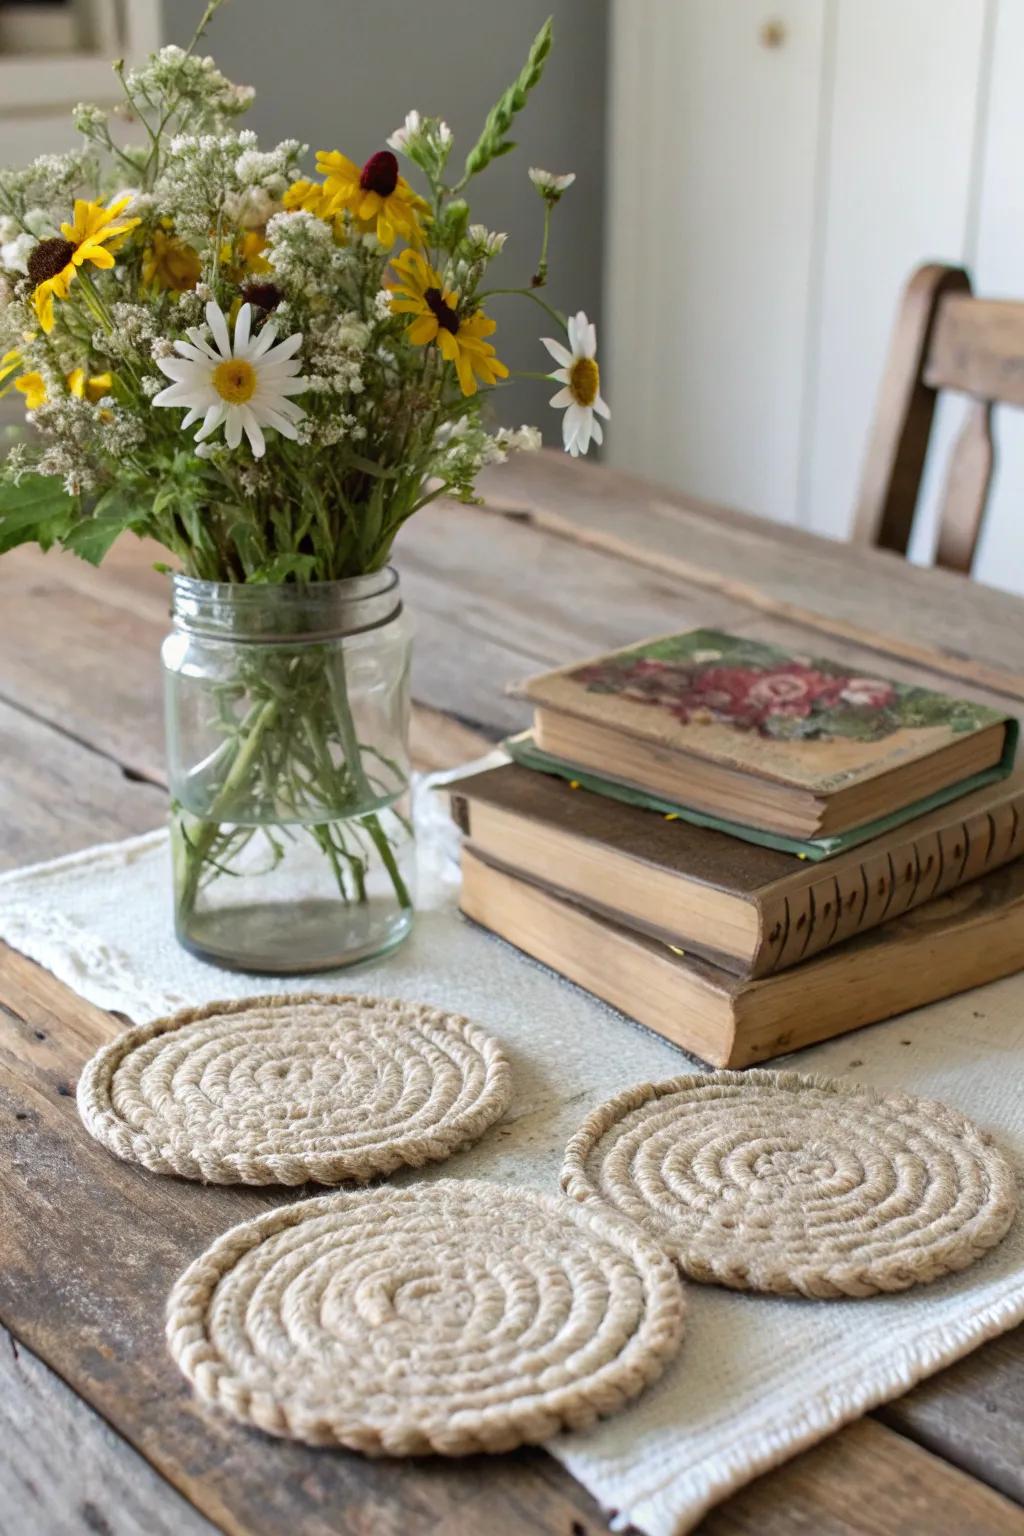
[[243, 385], [551, 184], [581, 376]]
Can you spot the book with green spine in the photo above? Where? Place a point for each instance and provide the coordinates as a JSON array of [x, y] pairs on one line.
[[792, 751]]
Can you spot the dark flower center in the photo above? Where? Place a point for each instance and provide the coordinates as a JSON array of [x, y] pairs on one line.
[[446, 317], [48, 258], [262, 295], [380, 173]]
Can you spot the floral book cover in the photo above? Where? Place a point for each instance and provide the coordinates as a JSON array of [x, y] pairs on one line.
[[792, 717]]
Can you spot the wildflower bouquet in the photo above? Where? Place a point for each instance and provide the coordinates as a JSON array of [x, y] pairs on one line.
[[328, 340]]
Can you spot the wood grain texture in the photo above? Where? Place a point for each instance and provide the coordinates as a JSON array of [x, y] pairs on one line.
[[965, 497], [58, 796], [904, 409], [868, 597], [972, 1414], [861, 1484], [944, 338], [978, 348], [65, 1472]]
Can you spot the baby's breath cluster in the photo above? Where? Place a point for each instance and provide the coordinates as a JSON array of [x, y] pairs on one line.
[[265, 368]]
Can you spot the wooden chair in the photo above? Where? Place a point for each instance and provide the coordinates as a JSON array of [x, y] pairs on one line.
[[944, 338]]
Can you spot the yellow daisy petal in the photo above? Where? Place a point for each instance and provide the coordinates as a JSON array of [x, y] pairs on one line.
[[467, 380], [42, 303], [423, 330], [96, 254], [33, 387]]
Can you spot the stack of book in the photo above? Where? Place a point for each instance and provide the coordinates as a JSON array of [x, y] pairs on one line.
[[748, 851]]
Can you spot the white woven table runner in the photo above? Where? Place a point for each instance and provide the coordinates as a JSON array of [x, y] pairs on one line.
[[759, 1378]]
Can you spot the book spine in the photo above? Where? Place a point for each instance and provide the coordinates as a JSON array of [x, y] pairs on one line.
[[836, 907], [460, 812]]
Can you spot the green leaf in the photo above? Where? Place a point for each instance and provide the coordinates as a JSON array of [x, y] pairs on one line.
[[91, 537], [36, 510], [279, 569], [492, 141], [250, 546]]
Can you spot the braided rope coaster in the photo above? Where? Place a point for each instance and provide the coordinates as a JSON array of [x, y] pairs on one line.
[[454, 1316], [776, 1181], [279, 1090]]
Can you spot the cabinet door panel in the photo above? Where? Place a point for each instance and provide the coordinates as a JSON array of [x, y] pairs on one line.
[[902, 140], [713, 162], [998, 269]]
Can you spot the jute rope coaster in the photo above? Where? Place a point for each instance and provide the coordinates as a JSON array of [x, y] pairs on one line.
[[278, 1090], [775, 1181], [453, 1316]]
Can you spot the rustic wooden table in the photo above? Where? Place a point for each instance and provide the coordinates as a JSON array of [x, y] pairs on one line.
[[97, 1433]]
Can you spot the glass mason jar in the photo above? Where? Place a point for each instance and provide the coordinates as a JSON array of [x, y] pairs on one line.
[[287, 712]]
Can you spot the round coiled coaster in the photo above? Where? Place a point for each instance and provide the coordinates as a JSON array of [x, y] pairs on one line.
[[453, 1316], [281, 1090], [781, 1182]]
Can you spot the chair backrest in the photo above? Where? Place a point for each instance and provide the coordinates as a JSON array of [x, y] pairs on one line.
[[944, 338]]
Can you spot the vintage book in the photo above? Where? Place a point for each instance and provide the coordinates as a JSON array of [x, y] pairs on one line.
[[522, 749], [752, 910], [961, 940], [792, 745]]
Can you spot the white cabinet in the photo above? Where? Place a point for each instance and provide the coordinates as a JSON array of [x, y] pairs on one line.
[[713, 146], [777, 171], [898, 191]]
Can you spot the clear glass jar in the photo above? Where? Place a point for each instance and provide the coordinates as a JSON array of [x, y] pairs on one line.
[[287, 712]]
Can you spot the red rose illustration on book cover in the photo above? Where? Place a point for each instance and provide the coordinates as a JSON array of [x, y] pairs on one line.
[[705, 676]]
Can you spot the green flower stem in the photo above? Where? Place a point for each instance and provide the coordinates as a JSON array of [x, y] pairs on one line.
[[354, 759], [528, 293], [541, 275], [198, 849], [387, 855], [93, 301]]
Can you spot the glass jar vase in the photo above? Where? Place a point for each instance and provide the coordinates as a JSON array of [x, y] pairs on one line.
[[287, 713]]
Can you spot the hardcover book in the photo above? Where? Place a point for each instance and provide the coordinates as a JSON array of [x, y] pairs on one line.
[[791, 745], [961, 940], [752, 910]]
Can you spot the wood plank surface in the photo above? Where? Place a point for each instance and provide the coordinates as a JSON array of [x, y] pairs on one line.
[[59, 796], [65, 1472], [83, 1274], [972, 1414], [862, 1483], [867, 596]]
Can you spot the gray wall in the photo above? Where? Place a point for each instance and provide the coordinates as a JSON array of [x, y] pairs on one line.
[[341, 74]]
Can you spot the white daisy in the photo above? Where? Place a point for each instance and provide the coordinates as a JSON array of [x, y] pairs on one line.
[[551, 184], [581, 376], [244, 385]]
